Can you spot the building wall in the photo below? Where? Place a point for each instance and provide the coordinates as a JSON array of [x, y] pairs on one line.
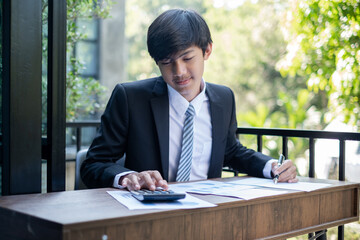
[[112, 47]]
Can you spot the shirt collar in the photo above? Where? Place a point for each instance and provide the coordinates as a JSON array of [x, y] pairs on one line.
[[180, 104]]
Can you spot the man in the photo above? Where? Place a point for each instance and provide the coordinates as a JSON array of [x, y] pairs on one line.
[[145, 119]]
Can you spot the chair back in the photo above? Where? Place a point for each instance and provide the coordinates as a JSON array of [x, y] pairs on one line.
[[80, 157]]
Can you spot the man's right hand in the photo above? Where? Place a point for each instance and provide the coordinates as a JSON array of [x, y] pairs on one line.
[[146, 179]]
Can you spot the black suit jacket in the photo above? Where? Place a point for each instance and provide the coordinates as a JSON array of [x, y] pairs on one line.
[[136, 122]]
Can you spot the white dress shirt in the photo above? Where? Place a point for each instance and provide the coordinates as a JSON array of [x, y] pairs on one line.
[[202, 133]]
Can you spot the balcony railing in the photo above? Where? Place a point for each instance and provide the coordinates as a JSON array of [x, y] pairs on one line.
[[78, 126], [311, 135]]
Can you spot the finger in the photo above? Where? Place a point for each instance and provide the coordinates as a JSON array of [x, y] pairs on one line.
[[126, 183], [148, 181], [132, 182], [279, 169], [159, 181], [155, 175], [274, 167], [288, 174], [284, 178], [293, 180], [163, 184]]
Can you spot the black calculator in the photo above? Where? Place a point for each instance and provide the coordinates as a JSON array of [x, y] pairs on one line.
[[145, 195]]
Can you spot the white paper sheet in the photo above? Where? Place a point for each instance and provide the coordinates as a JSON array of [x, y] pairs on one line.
[[268, 183], [259, 192], [206, 187], [125, 198], [228, 189]]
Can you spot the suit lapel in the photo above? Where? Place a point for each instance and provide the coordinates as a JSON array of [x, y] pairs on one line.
[[217, 121], [160, 108]]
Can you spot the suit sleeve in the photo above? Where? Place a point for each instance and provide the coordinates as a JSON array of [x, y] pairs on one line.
[[109, 145], [239, 157]]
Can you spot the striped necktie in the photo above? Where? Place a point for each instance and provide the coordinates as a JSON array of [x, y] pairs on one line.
[[184, 168]]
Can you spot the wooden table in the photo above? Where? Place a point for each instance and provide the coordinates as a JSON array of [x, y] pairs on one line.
[[94, 214]]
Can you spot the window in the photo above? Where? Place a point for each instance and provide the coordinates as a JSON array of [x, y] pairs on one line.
[[87, 49]]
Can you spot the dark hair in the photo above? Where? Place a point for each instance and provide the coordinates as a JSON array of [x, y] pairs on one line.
[[176, 30]]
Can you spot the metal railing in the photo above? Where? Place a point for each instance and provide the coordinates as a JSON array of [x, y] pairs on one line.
[[78, 127], [311, 136]]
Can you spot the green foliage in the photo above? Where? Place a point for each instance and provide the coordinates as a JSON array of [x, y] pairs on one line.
[[82, 94], [247, 45], [83, 9], [292, 113], [256, 118], [295, 109], [324, 46]]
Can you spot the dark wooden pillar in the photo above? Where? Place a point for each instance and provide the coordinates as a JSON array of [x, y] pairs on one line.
[[56, 108], [21, 97]]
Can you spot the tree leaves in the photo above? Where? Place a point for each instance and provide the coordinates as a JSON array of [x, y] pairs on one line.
[[324, 46]]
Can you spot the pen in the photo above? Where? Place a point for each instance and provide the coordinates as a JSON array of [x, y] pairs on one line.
[[280, 161]]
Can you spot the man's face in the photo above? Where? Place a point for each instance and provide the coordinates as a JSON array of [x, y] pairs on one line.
[[184, 70]]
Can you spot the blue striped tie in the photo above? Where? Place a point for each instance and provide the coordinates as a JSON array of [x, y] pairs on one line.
[[184, 168]]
